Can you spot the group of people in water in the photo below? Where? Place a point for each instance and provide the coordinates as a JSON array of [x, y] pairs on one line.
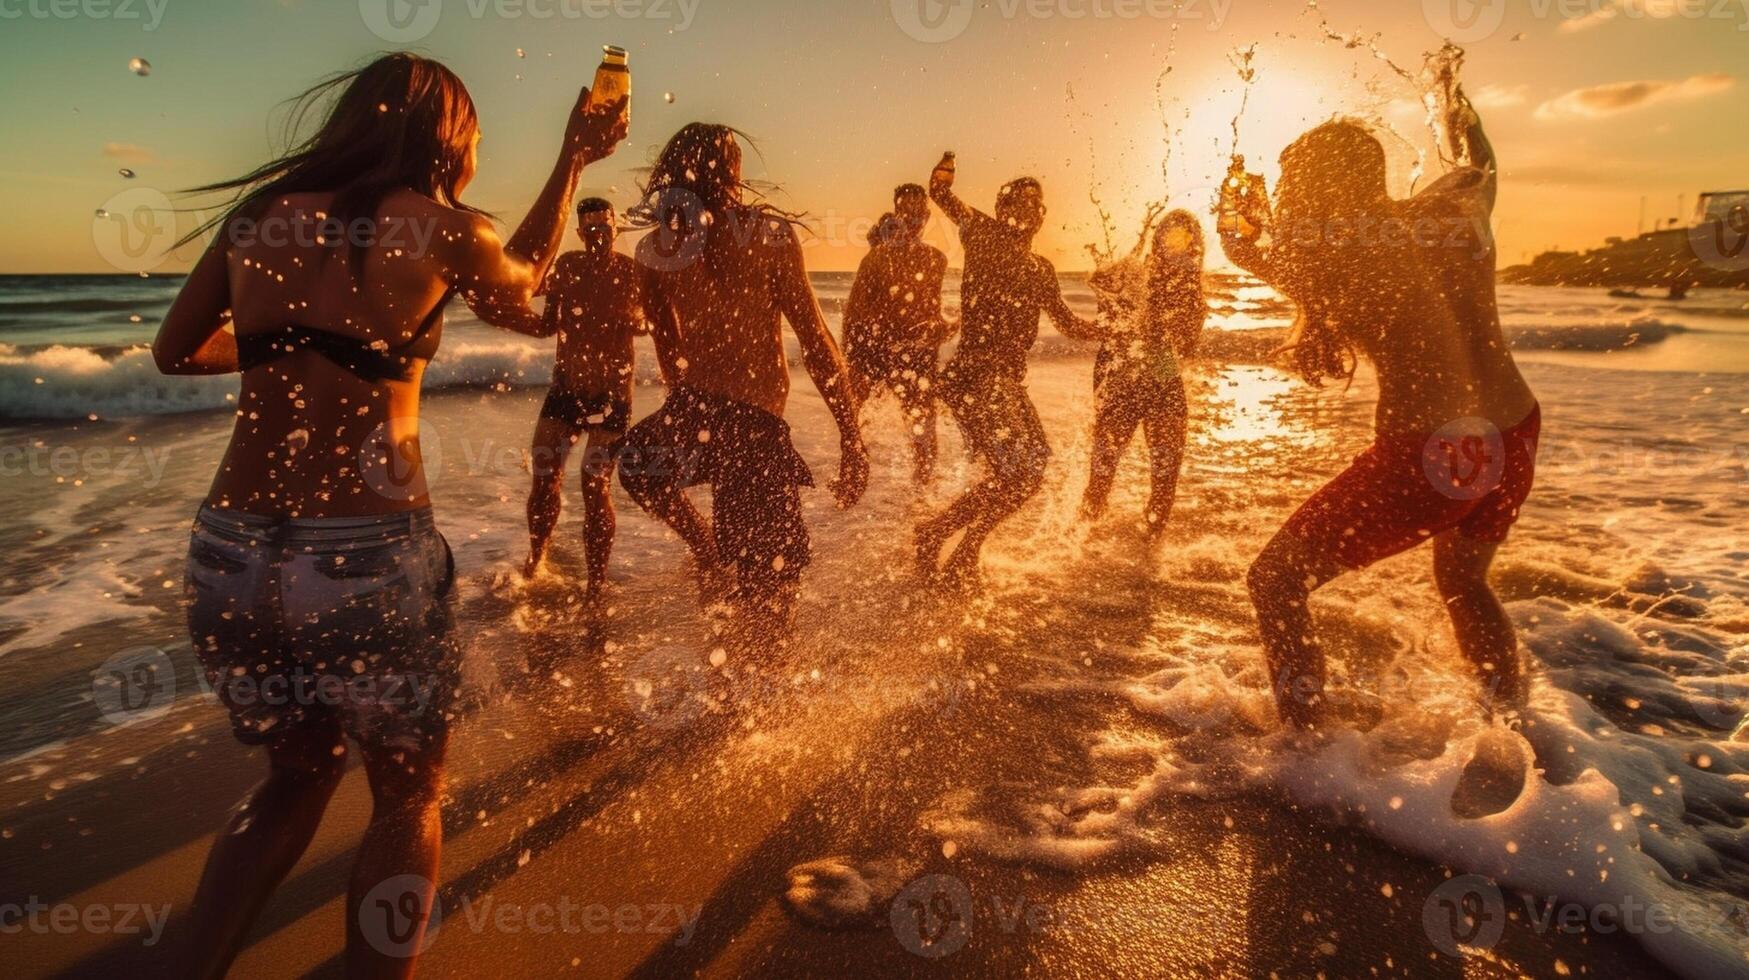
[[305, 561]]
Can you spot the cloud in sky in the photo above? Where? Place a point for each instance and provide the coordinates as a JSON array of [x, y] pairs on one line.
[[1611, 9], [128, 152], [1493, 96], [1599, 101]]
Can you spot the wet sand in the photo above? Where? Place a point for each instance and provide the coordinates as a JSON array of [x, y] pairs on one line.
[[640, 779]]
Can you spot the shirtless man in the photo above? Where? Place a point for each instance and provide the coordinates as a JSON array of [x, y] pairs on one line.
[[593, 305], [1457, 427], [893, 327], [719, 278], [1004, 290]]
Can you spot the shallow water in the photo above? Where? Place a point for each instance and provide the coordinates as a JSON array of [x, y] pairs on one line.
[[1140, 667]]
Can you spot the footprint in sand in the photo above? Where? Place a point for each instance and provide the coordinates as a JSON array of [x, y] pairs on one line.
[[838, 891], [1492, 780]]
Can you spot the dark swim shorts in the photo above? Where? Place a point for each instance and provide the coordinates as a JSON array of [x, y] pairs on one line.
[[580, 411], [747, 457]]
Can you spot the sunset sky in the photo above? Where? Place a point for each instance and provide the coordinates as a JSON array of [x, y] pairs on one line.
[[1592, 105]]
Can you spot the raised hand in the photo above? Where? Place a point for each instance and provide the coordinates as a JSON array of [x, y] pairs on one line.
[[593, 133]]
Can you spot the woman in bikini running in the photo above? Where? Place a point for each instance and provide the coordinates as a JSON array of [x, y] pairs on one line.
[[320, 592]]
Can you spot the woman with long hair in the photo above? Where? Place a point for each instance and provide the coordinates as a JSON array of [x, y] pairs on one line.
[[1408, 286], [320, 592], [1136, 378], [722, 271]]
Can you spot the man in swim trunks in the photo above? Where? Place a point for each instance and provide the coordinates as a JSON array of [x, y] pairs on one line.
[[893, 327], [721, 275], [593, 304], [1005, 289], [1409, 286]]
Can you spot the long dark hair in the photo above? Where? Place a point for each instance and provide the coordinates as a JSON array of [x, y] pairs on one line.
[[1177, 298], [1333, 183], [401, 121], [696, 186]]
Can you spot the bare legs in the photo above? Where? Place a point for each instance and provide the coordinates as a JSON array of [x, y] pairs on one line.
[[274, 824], [1282, 581], [1287, 573], [402, 844], [262, 842], [918, 404], [552, 446], [1484, 631], [1162, 418]]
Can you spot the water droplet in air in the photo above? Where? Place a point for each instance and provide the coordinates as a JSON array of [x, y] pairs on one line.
[[521, 53], [140, 66], [102, 213], [125, 172], [668, 97]]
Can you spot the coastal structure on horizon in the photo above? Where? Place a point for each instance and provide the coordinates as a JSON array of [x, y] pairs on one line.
[[1711, 252]]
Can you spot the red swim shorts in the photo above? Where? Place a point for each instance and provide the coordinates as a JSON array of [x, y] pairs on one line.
[[1407, 489]]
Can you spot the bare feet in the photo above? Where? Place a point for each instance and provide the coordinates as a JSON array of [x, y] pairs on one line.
[[961, 571], [929, 539], [532, 567]]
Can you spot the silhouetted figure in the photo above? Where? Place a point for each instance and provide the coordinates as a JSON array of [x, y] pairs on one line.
[[1005, 289], [893, 325], [1457, 427], [594, 306]]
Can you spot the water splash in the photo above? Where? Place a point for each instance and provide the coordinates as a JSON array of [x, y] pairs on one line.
[[140, 66]]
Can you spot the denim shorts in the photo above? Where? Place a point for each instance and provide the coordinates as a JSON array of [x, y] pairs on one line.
[[326, 627]]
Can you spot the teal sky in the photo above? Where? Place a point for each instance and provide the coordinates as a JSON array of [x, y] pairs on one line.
[[1589, 114]]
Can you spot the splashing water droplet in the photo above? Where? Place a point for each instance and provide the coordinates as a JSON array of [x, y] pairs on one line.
[[140, 66], [521, 53], [668, 97], [125, 172], [102, 213]]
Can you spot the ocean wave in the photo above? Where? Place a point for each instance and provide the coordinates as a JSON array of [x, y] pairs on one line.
[[74, 382], [83, 305]]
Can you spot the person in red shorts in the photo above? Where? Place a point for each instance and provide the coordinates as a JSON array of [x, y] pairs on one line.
[[1409, 286]]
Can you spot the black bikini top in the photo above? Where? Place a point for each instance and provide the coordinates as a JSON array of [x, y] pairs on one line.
[[369, 362]]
